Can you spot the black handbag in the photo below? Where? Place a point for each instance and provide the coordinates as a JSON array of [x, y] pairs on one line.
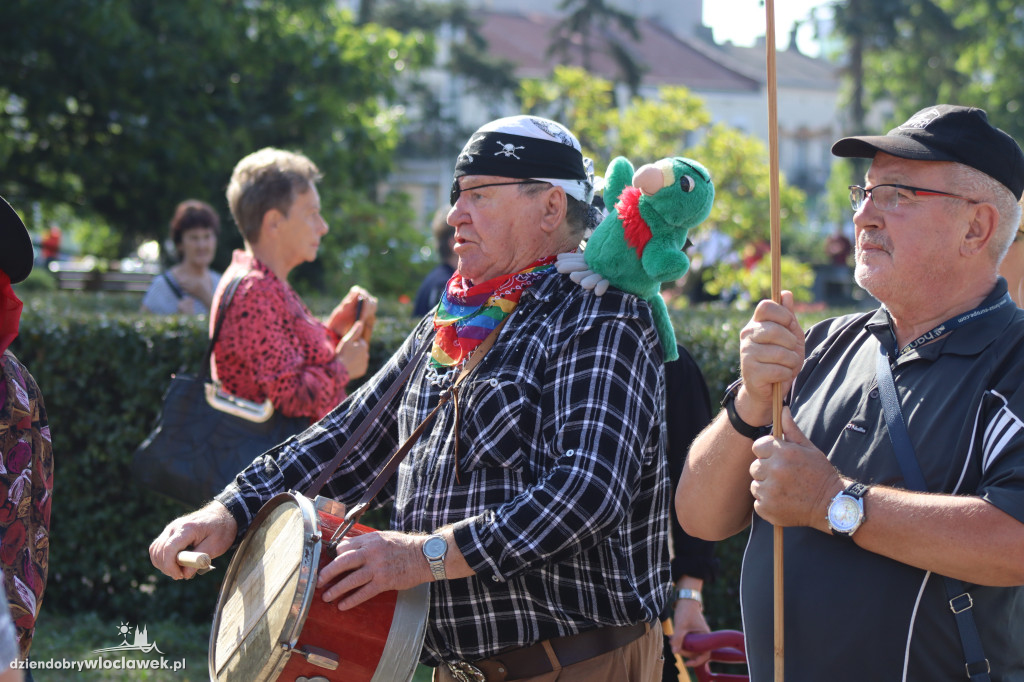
[[205, 436]]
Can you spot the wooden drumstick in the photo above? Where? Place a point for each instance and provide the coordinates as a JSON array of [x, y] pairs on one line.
[[198, 560]]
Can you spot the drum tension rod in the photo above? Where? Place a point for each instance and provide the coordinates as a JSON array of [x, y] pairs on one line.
[[322, 658], [351, 519]]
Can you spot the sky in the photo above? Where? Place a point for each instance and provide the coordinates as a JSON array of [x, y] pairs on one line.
[[742, 21]]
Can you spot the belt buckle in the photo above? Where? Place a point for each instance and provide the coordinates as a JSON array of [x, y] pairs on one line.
[[466, 672]]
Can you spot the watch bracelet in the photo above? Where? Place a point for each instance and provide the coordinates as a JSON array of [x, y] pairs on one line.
[[692, 595]]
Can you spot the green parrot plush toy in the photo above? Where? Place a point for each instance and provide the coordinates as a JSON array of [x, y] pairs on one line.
[[639, 244]]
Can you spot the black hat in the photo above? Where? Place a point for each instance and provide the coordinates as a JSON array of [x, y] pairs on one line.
[[946, 132], [15, 244]]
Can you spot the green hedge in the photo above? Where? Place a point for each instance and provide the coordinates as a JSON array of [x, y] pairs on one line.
[[103, 370]]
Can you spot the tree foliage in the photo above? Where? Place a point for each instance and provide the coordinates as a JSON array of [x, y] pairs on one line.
[[433, 130], [122, 108], [909, 55], [597, 26], [677, 123]]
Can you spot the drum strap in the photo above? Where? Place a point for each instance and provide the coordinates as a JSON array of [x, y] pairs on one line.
[[364, 426], [450, 393]]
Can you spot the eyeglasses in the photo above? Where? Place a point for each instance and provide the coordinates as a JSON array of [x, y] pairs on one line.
[[456, 190], [887, 197]]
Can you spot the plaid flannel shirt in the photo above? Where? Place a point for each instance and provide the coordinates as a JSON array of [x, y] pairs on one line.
[[561, 504]]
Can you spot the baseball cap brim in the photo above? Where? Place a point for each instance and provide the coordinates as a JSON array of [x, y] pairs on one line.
[[16, 256], [866, 146]]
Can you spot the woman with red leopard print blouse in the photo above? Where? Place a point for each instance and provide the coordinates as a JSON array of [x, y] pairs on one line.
[[271, 346]]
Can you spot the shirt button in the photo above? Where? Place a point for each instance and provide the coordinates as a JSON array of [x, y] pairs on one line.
[[874, 394], [493, 383], [495, 578], [570, 453]]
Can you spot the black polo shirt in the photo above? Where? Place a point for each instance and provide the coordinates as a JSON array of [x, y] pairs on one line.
[[851, 615]]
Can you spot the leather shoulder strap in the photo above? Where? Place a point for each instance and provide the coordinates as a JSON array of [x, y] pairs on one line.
[[371, 418], [389, 469], [222, 307]]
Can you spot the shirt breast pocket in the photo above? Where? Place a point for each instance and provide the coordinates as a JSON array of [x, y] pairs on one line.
[[493, 422]]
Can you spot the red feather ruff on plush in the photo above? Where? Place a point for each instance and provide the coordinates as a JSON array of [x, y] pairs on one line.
[[637, 232]]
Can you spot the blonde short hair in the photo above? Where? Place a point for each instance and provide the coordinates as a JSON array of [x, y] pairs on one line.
[[264, 180]]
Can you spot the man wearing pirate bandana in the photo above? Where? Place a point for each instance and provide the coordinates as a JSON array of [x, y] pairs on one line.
[[535, 504]]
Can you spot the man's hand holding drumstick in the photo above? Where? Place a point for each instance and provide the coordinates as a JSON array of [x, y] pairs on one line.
[[197, 560], [209, 531]]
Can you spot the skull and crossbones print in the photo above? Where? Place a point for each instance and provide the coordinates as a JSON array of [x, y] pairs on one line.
[[508, 150]]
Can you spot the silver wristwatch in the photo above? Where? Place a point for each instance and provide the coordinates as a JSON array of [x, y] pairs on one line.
[[435, 549], [846, 510], [693, 595]]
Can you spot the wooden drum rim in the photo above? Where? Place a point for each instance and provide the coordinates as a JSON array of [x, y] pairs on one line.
[[300, 605]]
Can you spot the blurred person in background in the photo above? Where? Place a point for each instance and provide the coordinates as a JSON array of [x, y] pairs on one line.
[[188, 287], [271, 346], [50, 244], [1012, 267], [436, 280]]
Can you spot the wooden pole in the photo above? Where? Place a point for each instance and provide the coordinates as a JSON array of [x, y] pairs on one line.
[[776, 252]]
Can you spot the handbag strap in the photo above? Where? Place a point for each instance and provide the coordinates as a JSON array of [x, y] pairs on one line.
[[175, 289], [385, 474], [225, 301], [960, 601]]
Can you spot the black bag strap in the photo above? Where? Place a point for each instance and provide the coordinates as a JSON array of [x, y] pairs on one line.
[[175, 289], [222, 307], [960, 601]]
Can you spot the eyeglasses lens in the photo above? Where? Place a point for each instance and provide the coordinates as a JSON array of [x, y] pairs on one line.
[[857, 195], [884, 197]]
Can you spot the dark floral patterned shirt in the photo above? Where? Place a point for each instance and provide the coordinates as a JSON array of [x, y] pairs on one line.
[[26, 484]]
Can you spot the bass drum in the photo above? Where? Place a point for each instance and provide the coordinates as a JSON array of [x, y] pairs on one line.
[[272, 624]]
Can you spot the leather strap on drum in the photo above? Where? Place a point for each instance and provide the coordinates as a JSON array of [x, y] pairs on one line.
[[365, 425], [451, 393]]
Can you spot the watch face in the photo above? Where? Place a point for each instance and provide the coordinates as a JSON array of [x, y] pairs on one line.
[[435, 547], [844, 513]]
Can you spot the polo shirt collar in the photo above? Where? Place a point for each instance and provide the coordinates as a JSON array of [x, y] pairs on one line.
[[971, 339]]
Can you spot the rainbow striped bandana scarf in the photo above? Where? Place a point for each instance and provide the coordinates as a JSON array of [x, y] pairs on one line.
[[468, 313]]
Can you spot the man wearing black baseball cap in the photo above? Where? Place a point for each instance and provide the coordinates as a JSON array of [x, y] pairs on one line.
[[25, 449], [900, 481]]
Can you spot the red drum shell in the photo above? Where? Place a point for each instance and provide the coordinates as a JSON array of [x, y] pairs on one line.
[[269, 611]]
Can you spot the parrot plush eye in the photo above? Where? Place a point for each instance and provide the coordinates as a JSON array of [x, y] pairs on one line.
[[686, 183]]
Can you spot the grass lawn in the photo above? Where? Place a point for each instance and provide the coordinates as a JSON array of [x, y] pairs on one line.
[[73, 640]]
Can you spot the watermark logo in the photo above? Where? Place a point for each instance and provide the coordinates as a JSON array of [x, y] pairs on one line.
[[139, 643]]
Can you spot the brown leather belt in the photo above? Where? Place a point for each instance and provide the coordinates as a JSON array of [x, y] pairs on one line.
[[536, 659]]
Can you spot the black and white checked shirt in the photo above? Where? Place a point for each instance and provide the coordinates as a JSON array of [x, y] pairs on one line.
[[561, 506]]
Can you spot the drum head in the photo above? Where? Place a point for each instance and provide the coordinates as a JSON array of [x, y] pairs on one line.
[[266, 592]]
